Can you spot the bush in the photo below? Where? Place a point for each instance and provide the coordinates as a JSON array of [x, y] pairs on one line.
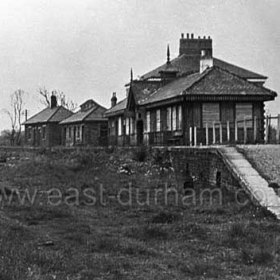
[[140, 154]]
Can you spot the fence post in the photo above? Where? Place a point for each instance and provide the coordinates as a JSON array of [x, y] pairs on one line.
[[266, 130], [214, 133], [245, 131], [255, 129], [236, 131], [195, 136], [221, 133], [278, 129], [207, 136], [228, 132], [190, 136]]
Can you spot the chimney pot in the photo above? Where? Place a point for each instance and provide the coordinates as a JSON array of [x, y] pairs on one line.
[[114, 99], [198, 37], [188, 35], [182, 35], [192, 36], [204, 37], [53, 101], [209, 37]]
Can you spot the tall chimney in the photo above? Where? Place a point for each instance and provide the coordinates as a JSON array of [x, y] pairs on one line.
[[53, 101], [114, 100]]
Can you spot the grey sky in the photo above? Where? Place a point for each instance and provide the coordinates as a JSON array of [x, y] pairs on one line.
[[87, 47]]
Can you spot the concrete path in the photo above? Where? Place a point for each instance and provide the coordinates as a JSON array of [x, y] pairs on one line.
[[251, 180]]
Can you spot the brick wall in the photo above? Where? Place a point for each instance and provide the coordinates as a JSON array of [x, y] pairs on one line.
[[204, 164]]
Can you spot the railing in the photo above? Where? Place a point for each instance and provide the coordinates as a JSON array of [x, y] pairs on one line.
[[248, 131]]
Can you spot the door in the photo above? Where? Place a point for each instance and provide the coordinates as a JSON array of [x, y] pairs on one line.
[[140, 132]]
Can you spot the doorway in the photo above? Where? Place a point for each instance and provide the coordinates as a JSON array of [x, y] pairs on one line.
[[140, 132]]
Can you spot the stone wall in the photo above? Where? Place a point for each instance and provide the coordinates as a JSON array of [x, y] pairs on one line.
[[205, 164]]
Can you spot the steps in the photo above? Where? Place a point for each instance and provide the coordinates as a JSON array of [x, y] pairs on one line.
[[251, 180]]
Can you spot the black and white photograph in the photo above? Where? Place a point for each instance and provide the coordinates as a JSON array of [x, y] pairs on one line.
[[139, 139]]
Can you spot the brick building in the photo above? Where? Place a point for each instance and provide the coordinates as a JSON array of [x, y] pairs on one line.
[[43, 129], [192, 99], [86, 127]]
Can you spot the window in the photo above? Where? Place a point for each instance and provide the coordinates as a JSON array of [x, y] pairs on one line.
[[168, 119], [127, 126], [29, 132], [210, 113], [131, 126], [78, 132], [120, 126], [179, 127], [69, 132], [158, 120], [174, 118], [43, 132], [148, 120], [244, 111]]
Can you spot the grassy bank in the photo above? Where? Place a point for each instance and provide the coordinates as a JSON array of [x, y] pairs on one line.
[[73, 236]]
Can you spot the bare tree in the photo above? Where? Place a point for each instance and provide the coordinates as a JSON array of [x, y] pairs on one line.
[[61, 98], [15, 113]]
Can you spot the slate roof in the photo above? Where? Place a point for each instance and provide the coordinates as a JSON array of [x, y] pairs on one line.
[[95, 113], [187, 64], [49, 115], [120, 107], [213, 81], [142, 90]]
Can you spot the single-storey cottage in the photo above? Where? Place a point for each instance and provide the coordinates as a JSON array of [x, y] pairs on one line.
[[86, 127], [43, 129], [190, 100]]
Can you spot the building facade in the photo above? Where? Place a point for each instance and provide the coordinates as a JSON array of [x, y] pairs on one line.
[[43, 129], [191, 100], [86, 127]]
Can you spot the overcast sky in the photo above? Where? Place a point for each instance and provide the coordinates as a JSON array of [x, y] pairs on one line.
[[86, 48]]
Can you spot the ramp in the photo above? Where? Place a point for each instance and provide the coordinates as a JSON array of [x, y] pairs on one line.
[[251, 180]]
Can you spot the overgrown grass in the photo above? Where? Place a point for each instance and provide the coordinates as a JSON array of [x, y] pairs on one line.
[[216, 241]]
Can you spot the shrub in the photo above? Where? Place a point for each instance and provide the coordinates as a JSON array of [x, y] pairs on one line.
[[140, 154]]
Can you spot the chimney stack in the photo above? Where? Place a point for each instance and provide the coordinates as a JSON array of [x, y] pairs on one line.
[[114, 100], [206, 61], [53, 101]]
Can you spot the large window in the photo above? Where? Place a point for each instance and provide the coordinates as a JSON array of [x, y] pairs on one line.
[[210, 113], [120, 126], [158, 120], [174, 118], [168, 119], [131, 126], [244, 111], [148, 121], [127, 126]]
